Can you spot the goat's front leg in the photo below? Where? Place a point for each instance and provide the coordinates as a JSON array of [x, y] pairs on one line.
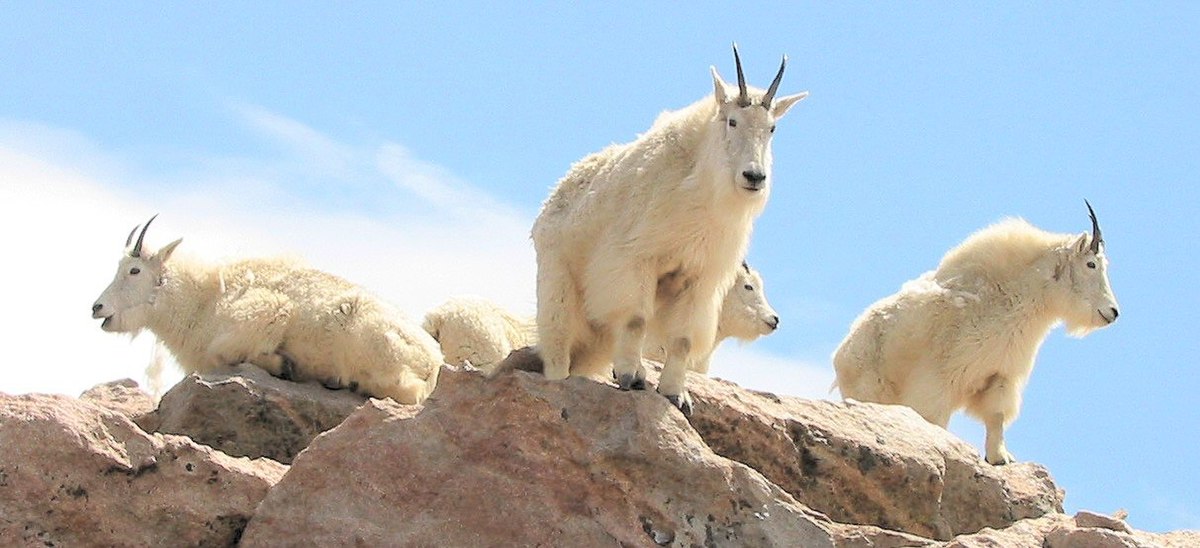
[[997, 406]]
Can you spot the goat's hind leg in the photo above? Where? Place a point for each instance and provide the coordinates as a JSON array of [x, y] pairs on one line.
[[558, 313]]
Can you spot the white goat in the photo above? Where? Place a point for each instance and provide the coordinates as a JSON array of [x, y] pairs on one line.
[[478, 332], [293, 321], [745, 315], [674, 207], [966, 335]]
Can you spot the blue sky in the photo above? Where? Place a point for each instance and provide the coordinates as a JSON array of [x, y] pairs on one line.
[[409, 148]]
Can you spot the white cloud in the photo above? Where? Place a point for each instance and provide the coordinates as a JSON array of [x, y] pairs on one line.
[[63, 220]]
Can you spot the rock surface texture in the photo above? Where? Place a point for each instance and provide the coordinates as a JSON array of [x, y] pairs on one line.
[[870, 464], [514, 460], [77, 474], [530, 461], [246, 412]]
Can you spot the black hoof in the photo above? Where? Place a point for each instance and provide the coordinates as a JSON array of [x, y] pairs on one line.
[[683, 402], [631, 382]]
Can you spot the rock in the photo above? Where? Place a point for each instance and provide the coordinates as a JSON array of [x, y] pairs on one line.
[[248, 413], [123, 396], [519, 460], [1060, 531], [867, 463], [1084, 518], [75, 473]]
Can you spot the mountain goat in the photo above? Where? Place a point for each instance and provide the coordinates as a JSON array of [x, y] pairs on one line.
[[745, 315], [966, 335], [295, 322], [672, 208], [476, 331]]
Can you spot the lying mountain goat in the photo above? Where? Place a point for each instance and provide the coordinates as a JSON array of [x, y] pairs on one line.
[[293, 321], [966, 335], [478, 332], [673, 207], [745, 315]]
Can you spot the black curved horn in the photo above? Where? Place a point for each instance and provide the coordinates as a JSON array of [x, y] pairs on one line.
[[1097, 239], [129, 238], [743, 94], [770, 96], [137, 248]]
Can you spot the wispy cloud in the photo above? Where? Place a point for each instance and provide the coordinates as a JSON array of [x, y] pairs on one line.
[[65, 208]]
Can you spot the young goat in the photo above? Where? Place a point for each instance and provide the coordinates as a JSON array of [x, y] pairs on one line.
[[476, 331], [745, 315]]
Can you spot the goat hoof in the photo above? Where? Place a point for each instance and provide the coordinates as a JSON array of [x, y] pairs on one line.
[[629, 381], [683, 402], [1001, 459]]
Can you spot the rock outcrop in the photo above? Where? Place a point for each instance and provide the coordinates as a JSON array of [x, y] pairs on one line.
[[1084, 530], [515, 460], [870, 464], [77, 474], [523, 461], [123, 396], [245, 412]]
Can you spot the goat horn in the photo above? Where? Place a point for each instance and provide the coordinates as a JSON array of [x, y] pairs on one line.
[[129, 238], [770, 96], [743, 94], [137, 248], [1097, 239]]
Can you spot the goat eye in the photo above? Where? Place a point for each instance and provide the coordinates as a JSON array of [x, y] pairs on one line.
[[1091, 264], [748, 287], [134, 271], [732, 122]]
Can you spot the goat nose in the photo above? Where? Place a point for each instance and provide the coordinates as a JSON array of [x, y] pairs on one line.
[[96, 307], [774, 323], [1115, 313], [754, 175]]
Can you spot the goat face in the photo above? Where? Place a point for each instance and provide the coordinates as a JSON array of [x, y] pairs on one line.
[[746, 314], [747, 125], [125, 303], [747, 145], [1091, 303]]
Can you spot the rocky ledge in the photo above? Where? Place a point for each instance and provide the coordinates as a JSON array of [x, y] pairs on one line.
[[242, 458]]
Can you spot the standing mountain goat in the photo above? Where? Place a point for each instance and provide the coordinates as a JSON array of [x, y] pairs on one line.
[[673, 209], [966, 334], [292, 321]]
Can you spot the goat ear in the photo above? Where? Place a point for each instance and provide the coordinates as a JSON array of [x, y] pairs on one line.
[[782, 104], [165, 253], [1081, 243], [718, 87]]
